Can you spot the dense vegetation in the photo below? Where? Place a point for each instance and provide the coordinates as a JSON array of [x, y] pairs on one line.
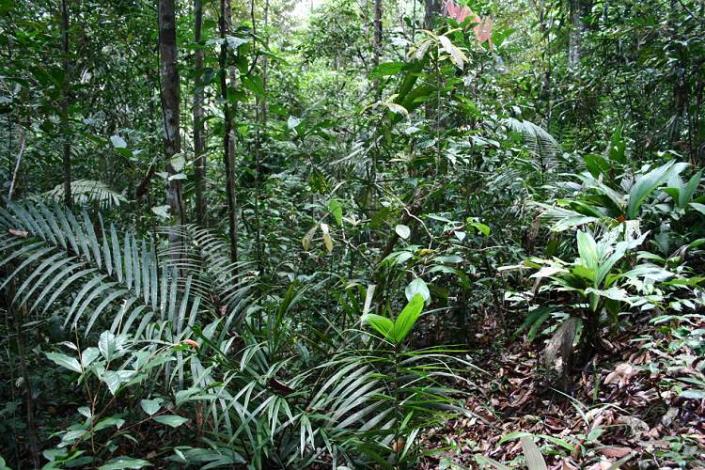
[[352, 234]]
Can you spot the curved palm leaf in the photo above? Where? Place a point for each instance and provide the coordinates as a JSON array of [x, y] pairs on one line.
[[57, 256]]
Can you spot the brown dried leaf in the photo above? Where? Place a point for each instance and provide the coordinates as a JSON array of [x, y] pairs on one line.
[[615, 452]]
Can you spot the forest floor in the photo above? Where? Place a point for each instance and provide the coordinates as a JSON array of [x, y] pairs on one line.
[[624, 408]]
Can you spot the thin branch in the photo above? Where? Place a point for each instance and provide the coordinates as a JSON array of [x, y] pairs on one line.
[[17, 164]]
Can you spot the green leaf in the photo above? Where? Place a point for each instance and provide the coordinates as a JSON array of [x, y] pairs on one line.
[[407, 318], [617, 149], [596, 165], [417, 286], [63, 360], [698, 207], [89, 355], [534, 459], [693, 394], [336, 209], [456, 55], [644, 186], [587, 249], [120, 463], [254, 84], [171, 420], [386, 69], [178, 162], [108, 422], [118, 142], [114, 379], [382, 325], [150, 406], [403, 231]]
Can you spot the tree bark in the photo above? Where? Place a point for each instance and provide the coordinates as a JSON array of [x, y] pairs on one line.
[[575, 35], [169, 76], [66, 102], [198, 129], [228, 134], [378, 31]]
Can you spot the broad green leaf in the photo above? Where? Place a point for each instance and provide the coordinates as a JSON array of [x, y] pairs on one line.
[[63, 360], [403, 231], [417, 286], [114, 379], [397, 109], [171, 420], [387, 68], [407, 318], [109, 422], [89, 355], [644, 186], [336, 209], [382, 325], [698, 207], [150, 406], [587, 249]]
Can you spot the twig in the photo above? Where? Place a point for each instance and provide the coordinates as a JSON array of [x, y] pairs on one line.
[[17, 164]]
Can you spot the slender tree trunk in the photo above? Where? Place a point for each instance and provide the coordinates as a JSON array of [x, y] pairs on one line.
[[577, 28], [433, 7], [228, 134], [66, 102], [261, 111], [198, 131], [378, 31], [169, 76]]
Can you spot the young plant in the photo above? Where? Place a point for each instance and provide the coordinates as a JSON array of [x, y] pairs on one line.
[[395, 331]]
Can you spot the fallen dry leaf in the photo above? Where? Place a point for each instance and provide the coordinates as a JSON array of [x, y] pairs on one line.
[[615, 452]]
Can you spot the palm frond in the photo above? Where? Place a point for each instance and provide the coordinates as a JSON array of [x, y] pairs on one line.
[[537, 140], [87, 191], [59, 257], [203, 256]]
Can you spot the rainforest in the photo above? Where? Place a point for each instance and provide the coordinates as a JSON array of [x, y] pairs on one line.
[[352, 234]]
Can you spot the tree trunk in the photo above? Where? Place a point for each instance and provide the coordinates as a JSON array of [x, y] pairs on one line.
[[378, 32], [198, 130], [575, 35], [228, 134], [66, 102], [433, 7], [169, 76]]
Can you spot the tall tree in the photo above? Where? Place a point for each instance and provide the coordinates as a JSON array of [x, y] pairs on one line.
[[198, 128], [228, 133], [576, 32], [169, 80], [66, 101]]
